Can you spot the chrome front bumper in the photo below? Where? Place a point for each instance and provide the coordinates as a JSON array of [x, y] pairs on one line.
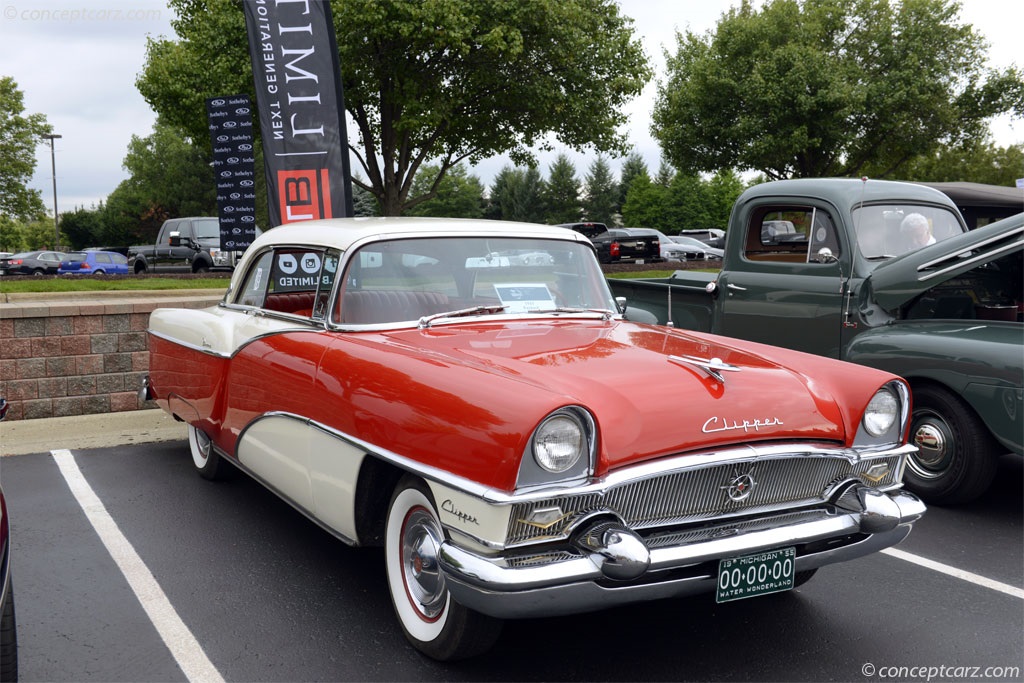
[[611, 565]]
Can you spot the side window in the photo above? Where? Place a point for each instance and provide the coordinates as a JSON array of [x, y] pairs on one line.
[[297, 281], [103, 258], [254, 288], [790, 234]]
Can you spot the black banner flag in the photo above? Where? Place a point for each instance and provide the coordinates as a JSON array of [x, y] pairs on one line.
[[234, 167], [301, 109]]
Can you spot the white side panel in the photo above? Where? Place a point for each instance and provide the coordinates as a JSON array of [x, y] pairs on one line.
[[333, 473], [215, 330], [470, 514], [277, 450]]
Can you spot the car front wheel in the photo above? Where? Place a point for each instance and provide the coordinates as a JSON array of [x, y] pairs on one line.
[[208, 462], [957, 457], [434, 623]]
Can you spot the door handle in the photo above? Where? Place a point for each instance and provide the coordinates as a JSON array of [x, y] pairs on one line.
[[735, 287]]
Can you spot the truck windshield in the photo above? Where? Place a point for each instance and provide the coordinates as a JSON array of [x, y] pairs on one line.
[[887, 230]]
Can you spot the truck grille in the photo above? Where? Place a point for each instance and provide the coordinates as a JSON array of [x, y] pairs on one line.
[[701, 494]]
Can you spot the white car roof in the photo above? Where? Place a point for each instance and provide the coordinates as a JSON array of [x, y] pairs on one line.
[[342, 233]]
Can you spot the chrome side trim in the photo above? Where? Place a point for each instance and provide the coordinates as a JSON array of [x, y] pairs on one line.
[[187, 345]]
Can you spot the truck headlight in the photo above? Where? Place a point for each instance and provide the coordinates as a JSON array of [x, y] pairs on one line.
[[882, 412]]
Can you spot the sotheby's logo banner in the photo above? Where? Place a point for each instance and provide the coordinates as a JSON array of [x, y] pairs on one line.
[[301, 109], [234, 168]]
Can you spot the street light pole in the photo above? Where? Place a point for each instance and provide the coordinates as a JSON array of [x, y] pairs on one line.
[[53, 166]]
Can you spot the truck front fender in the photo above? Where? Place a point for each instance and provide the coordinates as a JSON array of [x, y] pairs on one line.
[[979, 361]]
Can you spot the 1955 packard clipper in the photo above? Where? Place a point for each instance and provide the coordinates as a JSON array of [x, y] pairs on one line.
[[468, 395]]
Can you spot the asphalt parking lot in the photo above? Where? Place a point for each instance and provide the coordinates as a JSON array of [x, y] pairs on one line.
[[223, 581]]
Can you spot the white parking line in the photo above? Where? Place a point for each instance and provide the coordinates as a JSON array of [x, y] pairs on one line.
[[184, 647], [976, 579]]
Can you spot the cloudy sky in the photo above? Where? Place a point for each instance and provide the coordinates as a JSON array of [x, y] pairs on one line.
[[76, 63]]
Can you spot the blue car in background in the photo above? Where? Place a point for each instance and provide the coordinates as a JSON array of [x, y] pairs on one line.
[[94, 263]]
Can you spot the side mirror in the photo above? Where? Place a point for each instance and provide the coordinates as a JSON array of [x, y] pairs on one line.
[[174, 239], [825, 255]]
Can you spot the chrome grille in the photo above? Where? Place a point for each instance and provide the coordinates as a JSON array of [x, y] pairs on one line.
[[700, 494]]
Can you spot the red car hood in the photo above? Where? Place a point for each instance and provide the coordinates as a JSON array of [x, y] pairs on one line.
[[647, 405]]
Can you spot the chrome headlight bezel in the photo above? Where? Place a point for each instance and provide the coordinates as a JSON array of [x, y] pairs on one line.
[[878, 429], [537, 467]]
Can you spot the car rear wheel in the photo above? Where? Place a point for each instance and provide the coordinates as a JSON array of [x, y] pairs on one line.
[[97, 272], [434, 623], [39, 272], [957, 457], [8, 640], [208, 462]]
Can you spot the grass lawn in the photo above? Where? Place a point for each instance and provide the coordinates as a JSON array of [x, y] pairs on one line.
[[20, 285]]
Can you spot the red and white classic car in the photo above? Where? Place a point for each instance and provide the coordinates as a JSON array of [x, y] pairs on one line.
[[469, 395]]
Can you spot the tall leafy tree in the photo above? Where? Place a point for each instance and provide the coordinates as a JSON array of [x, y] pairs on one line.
[[600, 193], [633, 166], [972, 161], [458, 195], [562, 192], [646, 203], [82, 227], [19, 136], [438, 82], [517, 195], [826, 87]]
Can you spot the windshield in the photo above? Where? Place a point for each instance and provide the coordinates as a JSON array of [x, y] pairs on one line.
[[887, 230], [404, 280], [75, 256], [207, 229]]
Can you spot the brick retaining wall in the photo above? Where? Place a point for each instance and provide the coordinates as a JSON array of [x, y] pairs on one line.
[[79, 354]]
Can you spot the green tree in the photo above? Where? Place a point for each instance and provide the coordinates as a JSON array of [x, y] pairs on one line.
[[646, 203], [971, 161], [600, 193], [364, 203], [517, 195], [632, 167], [720, 194], [825, 87], [437, 82], [458, 194], [686, 205], [19, 136], [82, 227], [130, 216], [562, 192]]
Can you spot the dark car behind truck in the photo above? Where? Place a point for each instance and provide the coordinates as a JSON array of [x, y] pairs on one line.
[[183, 245], [827, 266]]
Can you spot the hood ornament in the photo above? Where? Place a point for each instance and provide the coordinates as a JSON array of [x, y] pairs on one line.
[[713, 367]]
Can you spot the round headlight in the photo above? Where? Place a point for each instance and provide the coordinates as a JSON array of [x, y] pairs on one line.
[[882, 411], [558, 444]]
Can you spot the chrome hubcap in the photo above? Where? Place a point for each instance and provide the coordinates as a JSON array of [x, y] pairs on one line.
[[420, 542], [935, 445]]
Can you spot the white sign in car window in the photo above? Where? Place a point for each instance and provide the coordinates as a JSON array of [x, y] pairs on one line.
[[524, 298]]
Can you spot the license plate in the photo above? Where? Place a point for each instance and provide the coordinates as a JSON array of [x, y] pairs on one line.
[[639, 261], [760, 574]]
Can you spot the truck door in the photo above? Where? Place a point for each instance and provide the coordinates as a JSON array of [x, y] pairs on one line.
[[784, 285], [180, 257], [162, 250]]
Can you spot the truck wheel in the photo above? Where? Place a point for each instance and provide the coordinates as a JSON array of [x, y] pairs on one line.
[[957, 457], [201, 268], [140, 268], [433, 622], [208, 462]]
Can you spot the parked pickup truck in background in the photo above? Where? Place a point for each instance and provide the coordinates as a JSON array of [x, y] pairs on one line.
[[184, 245], [849, 283]]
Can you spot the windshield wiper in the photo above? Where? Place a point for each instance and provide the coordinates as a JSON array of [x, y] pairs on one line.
[[475, 310], [603, 312]]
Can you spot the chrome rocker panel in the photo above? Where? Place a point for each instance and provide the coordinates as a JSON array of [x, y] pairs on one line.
[[621, 568]]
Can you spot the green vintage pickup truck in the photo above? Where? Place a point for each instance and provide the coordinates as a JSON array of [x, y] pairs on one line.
[[884, 274]]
